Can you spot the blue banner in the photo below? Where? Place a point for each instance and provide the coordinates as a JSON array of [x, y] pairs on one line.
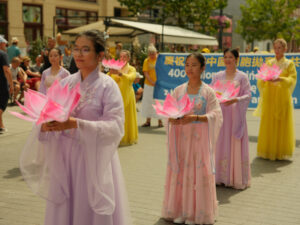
[[170, 72]]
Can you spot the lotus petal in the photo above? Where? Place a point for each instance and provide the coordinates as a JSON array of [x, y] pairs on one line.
[[113, 64], [56, 105], [172, 108], [225, 90], [266, 72]]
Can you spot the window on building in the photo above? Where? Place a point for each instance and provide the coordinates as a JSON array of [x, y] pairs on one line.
[[117, 12], [33, 25], [3, 20], [68, 18]]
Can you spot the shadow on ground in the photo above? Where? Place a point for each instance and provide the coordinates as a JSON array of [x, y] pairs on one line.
[[152, 130], [225, 193], [261, 166], [13, 173], [163, 222]]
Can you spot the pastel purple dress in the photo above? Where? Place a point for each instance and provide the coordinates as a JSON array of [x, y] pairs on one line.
[[48, 79], [78, 170], [232, 152]]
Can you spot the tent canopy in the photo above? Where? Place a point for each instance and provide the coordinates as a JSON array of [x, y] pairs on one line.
[[123, 30]]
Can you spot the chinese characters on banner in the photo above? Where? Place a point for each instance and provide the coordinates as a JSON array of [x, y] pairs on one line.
[[170, 72]]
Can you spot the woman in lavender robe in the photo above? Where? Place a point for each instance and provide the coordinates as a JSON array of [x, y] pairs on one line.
[[74, 164], [232, 152], [55, 72]]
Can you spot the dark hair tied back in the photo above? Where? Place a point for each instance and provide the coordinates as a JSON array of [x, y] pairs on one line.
[[96, 37], [198, 56], [57, 49], [234, 52]]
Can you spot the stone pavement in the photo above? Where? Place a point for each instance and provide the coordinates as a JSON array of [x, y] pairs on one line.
[[273, 198]]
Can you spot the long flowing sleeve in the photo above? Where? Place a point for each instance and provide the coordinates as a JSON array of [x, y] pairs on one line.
[[101, 139], [215, 119], [242, 106], [290, 80]]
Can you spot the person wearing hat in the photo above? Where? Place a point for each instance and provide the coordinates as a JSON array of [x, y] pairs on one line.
[[5, 79], [13, 50], [205, 50], [138, 90], [34, 78]]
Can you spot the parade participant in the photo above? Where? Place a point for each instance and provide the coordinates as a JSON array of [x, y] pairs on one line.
[[78, 169], [6, 83], [55, 72], [276, 139], [150, 79], [124, 78], [51, 43], [232, 151], [190, 191]]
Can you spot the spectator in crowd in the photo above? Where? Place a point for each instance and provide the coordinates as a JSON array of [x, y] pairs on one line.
[[190, 188], [138, 90], [205, 50], [6, 83], [67, 57], [33, 78], [150, 79], [124, 78], [276, 138], [38, 64], [55, 72], [19, 78], [13, 50], [51, 42], [78, 171], [256, 49], [232, 151]]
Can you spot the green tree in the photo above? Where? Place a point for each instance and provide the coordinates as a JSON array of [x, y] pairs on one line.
[[269, 19], [183, 13]]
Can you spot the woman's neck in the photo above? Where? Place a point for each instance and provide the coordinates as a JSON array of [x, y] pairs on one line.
[[230, 72], [194, 84], [86, 72], [279, 57], [55, 67]]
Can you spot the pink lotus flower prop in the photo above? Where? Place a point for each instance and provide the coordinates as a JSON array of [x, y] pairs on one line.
[[266, 72], [113, 64], [172, 108], [56, 105], [225, 90]]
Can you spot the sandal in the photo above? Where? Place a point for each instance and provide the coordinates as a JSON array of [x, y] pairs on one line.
[[147, 124]]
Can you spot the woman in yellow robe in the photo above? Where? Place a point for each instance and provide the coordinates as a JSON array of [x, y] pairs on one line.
[[125, 78], [276, 139]]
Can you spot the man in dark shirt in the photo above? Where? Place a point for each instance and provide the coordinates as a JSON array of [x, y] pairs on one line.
[[5, 79]]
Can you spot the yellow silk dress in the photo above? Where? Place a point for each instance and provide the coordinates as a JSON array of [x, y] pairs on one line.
[[276, 139], [125, 84]]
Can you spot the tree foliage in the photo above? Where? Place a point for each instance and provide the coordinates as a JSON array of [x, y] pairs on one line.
[[269, 19], [182, 13]]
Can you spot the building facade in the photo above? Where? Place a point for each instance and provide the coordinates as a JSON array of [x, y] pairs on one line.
[[31, 19]]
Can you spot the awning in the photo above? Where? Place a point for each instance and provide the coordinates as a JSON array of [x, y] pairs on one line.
[[119, 29]]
